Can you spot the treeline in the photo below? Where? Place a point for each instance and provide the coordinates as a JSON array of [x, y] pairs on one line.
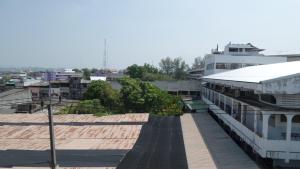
[[169, 69], [135, 96]]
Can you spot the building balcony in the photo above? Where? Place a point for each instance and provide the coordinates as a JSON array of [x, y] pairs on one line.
[[271, 132]]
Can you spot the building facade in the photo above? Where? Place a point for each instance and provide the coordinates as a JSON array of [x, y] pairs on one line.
[[261, 106], [237, 56]]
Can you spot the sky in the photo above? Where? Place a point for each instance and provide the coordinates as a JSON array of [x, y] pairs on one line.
[[71, 33]]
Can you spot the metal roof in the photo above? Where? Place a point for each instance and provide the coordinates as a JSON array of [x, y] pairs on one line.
[[258, 74]]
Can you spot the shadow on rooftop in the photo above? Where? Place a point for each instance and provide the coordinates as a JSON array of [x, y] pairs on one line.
[[70, 123], [65, 158]]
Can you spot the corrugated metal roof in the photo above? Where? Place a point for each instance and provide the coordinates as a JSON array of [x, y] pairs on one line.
[[257, 74]]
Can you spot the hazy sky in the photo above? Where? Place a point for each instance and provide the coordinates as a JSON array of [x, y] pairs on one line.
[[70, 33]]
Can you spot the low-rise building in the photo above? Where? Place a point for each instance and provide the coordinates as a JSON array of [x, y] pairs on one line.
[[237, 56], [260, 105]]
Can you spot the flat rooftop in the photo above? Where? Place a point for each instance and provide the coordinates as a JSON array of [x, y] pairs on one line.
[[82, 141]]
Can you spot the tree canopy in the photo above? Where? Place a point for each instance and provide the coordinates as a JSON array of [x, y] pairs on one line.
[[146, 73], [139, 96], [198, 63], [103, 91], [176, 68], [135, 96]]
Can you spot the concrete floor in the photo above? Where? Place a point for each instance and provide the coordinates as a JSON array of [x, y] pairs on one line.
[[208, 146]]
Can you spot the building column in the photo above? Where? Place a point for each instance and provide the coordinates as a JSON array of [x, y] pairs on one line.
[[265, 125], [242, 112], [232, 108], [255, 122], [224, 108], [289, 118]]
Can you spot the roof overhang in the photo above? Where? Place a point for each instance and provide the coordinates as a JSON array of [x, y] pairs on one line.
[[257, 87]]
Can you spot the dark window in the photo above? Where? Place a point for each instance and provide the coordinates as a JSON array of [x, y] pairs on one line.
[[296, 119], [268, 98], [220, 66], [282, 118], [234, 66], [228, 106], [210, 66], [222, 102], [233, 49]]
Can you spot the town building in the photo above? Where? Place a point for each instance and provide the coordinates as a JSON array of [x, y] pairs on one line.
[[196, 73], [237, 56], [261, 106]]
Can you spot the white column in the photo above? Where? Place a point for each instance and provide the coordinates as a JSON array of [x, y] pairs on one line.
[[289, 118], [289, 126], [232, 108], [219, 95], [224, 103], [242, 112], [255, 121], [265, 124]]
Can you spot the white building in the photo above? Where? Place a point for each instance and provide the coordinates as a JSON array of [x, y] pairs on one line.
[[260, 105], [237, 56]]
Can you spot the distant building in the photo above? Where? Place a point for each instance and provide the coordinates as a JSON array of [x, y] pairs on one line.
[[15, 100], [196, 73], [260, 105], [102, 78], [237, 56]]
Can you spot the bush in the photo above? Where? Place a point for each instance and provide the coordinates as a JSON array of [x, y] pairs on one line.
[[86, 107], [141, 96], [108, 97]]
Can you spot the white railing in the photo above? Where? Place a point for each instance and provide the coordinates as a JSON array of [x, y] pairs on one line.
[[276, 149]]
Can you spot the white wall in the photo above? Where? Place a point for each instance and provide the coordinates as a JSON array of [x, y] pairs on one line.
[[213, 58]]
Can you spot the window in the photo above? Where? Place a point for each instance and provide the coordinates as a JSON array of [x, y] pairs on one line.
[[210, 66], [220, 66], [228, 65], [216, 99], [228, 106], [237, 110], [296, 119], [222, 102], [268, 98], [282, 118], [233, 49], [235, 65]]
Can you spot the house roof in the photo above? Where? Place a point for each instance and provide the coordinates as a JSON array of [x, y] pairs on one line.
[[258, 74], [278, 78]]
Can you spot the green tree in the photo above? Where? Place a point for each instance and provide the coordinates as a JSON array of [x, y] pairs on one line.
[[176, 68], [135, 71], [146, 73], [77, 70], [139, 96], [86, 73], [94, 70], [180, 69], [167, 66], [103, 91], [132, 95], [198, 63], [4, 79], [86, 107]]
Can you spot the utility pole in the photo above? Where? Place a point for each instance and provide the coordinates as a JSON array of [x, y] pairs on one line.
[[105, 54], [53, 162]]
